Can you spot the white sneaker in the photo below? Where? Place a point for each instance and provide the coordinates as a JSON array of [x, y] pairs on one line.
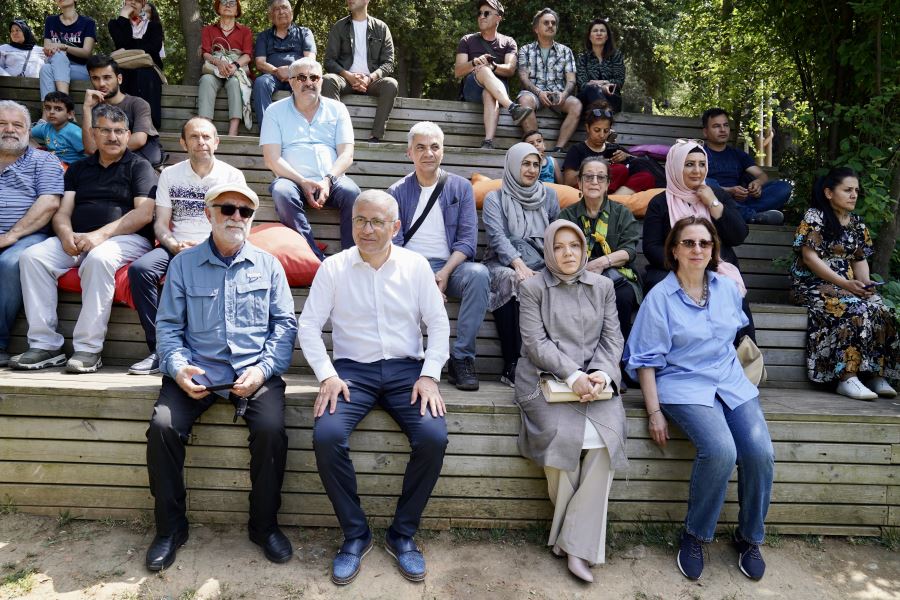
[[852, 387], [880, 386]]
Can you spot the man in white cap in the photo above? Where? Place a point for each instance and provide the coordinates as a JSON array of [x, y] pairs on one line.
[[226, 317]]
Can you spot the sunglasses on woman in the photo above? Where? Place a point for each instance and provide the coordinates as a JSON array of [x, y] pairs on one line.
[[689, 141], [229, 209], [694, 243], [602, 112]]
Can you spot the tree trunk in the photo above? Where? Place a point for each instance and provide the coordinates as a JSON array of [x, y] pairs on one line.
[[887, 236], [190, 27]]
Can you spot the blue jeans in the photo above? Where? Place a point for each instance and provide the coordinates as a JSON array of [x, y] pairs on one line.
[[471, 283], [11, 287], [773, 196], [59, 68], [264, 87], [722, 437], [389, 384], [290, 206]]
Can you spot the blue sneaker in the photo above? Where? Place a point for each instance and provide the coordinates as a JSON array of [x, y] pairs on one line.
[[750, 560], [346, 564], [409, 558], [690, 556]]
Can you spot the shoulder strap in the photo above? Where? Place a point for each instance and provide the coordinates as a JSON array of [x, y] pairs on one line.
[[431, 201], [487, 46], [25, 65]]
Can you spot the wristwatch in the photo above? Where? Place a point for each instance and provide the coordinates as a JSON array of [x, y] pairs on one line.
[[716, 202], [332, 181]]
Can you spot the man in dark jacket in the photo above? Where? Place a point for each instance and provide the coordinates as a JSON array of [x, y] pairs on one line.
[[359, 58]]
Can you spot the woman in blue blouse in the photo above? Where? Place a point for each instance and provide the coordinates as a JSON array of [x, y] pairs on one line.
[[681, 350]]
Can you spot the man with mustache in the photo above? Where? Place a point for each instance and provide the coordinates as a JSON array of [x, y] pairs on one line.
[[31, 183], [102, 224], [106, 79], [307, 142], [226, 317]]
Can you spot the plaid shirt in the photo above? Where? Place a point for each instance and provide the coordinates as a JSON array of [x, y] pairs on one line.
[[549, 76]]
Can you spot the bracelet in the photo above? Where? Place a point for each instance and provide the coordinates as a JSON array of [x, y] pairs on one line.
[[654, 412]]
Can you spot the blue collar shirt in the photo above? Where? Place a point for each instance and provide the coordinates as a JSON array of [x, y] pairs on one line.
[[691, 347], [223, 317]]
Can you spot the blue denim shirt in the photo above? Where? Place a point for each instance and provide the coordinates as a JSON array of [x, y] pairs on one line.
[[457, 203], [224, 319], [691, 347]]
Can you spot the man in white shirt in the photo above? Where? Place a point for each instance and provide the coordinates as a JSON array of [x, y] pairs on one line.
[[377, 295], [359, 58], [179, 224], [445, 231], [307, 142]]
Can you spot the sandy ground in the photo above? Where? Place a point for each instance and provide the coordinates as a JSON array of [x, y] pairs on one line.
[[41, 557]]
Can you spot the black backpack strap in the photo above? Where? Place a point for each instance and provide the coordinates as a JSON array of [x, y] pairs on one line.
[[431, 201]]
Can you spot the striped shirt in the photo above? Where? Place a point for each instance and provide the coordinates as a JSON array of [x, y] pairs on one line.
[[36, 173], [547, 75]]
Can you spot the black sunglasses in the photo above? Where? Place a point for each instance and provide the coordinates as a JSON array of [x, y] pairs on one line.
[[229, 209], [484, 13], [302, 78], [602, 112]]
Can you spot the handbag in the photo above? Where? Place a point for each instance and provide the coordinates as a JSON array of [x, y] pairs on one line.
[[132, 59], [752, 361], [530, 255]]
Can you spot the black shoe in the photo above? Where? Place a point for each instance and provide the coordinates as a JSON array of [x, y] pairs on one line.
[[374, 140], [558, 150], [768, 217], [518, 112], [461, 373], [161, 553], [509, 375], [276, 546], [487, 145]]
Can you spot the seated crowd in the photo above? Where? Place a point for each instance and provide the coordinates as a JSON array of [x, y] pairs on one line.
[[570, 306]]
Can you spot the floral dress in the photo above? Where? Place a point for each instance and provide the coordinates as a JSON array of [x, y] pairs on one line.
[[845, 332]]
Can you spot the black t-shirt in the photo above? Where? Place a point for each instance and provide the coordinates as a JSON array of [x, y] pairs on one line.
[[581, 151], [105, 194]]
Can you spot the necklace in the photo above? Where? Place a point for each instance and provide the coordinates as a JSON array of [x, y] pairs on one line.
[[226, 30], [704, 292]]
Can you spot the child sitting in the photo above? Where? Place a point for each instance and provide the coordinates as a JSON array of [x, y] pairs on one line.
[[549, 169], [57, 132]]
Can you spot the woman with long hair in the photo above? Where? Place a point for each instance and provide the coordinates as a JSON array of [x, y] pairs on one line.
[[851, 333]]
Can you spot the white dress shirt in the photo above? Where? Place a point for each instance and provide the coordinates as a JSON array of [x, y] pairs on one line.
[[375, 314]]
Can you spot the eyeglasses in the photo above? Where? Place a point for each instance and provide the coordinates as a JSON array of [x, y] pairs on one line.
[[228, 3], [602, 112], [591, 178], [485, 13], [362, 222], [118, 131], [689, 141], [704, 244], [229, 209], [303, 78]]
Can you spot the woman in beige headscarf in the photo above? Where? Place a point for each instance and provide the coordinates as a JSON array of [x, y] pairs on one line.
[[570, 330]]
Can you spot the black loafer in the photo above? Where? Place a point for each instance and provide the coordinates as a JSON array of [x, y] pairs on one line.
[[161, 553], [276, 546]]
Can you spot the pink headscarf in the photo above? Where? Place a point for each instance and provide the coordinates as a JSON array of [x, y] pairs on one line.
[[684, 202]]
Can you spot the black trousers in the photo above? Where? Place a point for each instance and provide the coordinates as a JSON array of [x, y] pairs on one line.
[[173, 417], [506, 319]]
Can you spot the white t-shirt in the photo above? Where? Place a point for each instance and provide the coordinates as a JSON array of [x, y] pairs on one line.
[[182, 190], [430, 239], [360, 64]]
